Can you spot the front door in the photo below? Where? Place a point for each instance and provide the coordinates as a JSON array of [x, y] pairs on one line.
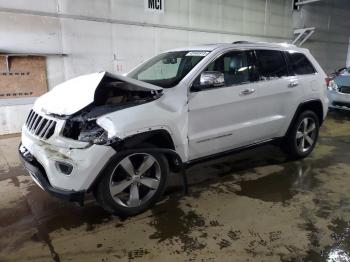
[[222, 118]]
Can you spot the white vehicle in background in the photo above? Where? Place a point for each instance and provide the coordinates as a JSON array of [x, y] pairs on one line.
[[120, 136]]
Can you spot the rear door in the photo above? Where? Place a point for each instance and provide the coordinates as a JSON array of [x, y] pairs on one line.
[[279, 93]]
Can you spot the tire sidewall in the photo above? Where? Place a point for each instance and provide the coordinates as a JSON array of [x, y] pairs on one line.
[[292, 136], [103, 192]]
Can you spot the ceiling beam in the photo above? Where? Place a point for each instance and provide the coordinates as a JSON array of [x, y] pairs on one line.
[[299, 3], [303, 34]]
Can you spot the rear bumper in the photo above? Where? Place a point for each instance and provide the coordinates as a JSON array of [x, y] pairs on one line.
[[37, 172]]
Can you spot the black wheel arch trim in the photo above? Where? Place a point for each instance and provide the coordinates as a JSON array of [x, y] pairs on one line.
[[136, 139], [165, 151], [299, 110]]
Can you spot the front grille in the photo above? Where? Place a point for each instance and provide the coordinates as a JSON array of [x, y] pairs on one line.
[[40, 126], [344, 89]]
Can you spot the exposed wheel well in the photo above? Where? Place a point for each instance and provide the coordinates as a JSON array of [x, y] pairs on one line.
[[161, 139], [313, 105], [158, 138]]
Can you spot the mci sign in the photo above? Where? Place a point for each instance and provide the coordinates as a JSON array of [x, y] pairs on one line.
[[155, 6]]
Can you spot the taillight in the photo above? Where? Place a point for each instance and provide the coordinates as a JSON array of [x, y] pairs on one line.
[[328, 79]]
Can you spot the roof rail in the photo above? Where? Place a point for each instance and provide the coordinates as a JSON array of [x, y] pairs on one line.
[[242, 42], [264, 43]]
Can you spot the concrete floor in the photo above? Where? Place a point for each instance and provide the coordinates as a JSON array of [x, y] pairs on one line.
[[255, 206]]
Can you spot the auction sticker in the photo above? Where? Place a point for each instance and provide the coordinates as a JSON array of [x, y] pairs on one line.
[[197, 53]]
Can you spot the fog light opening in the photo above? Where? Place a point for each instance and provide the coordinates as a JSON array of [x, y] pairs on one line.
[[64, 168]]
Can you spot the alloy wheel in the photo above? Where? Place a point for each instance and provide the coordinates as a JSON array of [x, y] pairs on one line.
[[306, 134], [135, 180]]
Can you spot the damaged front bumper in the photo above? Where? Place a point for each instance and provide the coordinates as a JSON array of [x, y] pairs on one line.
[[46, 159], [38, 174]]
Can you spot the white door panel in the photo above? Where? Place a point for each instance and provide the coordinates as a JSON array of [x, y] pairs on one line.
[[221, 119], [278, 100], [230, 117]]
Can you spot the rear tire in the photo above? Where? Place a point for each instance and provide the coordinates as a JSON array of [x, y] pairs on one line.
[[302, 136], [132, 183]]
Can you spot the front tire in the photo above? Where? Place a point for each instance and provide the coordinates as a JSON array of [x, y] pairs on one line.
[[302, 137], [133, 182]]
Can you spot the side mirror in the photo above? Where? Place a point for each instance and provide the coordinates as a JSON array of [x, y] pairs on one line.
[[210, 79]]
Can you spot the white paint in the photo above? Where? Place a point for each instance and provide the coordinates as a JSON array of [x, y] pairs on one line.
[[75, 94], [71, 96], [83, 172], [200, 123], [13, 117]]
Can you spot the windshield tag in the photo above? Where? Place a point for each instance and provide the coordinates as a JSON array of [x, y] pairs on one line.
[[197, 53]]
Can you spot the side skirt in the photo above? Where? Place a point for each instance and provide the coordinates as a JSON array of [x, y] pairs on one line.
[[231, 151], [182, 166]]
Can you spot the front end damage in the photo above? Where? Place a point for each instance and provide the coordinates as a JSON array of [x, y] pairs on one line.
[[111, 95], [67, 149]]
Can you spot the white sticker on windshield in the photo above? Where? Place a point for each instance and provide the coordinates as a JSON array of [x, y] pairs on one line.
[[197, 53]]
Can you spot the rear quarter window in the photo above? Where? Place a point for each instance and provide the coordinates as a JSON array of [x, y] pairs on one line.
[[299, 64]]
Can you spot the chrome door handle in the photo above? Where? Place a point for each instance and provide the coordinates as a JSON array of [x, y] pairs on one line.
[[293, 84], [247, 92]]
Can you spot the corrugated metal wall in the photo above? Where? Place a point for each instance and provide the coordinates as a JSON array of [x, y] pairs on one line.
[[116, 35]]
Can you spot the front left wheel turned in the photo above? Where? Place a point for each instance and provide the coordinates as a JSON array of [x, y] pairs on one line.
[[133, 182]]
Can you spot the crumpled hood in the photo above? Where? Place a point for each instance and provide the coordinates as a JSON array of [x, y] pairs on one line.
[[75, 94]]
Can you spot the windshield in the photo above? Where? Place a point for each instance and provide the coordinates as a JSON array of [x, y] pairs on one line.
[[168, 69]]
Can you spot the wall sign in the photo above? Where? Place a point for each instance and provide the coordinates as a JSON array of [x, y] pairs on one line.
[[154, 6]]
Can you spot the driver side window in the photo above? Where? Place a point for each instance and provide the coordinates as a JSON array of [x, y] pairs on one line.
[[235, 66]]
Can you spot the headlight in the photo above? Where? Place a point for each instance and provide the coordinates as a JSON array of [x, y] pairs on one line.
[[93, 134], [332, 86], [88, 131]]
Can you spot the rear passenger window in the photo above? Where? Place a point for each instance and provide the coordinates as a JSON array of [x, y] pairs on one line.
[[271, 64], [300, 64]]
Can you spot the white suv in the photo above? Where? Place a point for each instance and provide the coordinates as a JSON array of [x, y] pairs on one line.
[[120, 136]]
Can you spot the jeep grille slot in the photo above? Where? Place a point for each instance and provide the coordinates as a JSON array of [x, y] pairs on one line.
[[40, 126]]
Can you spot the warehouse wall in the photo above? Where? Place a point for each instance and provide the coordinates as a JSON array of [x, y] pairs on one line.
[[116, 35], [329, 44], [348, 59]]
